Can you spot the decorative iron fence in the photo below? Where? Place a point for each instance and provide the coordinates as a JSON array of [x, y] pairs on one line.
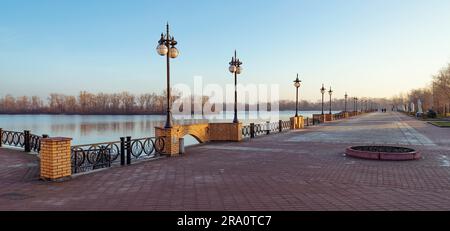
[[90, 157], [146, 147], [316, 119], [12, 138], [35, 142], [308, 121], [258, 130], [253, 130], [338, 116], [285, 125], [246, 131], [29, 142]]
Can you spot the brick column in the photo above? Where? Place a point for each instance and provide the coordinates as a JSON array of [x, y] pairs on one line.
[[55, 158], [225, 131], [171, 139], [328, 117], [346, 115], [297, 122]]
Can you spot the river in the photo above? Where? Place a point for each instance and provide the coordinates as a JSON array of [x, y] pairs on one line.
[[85, 129]]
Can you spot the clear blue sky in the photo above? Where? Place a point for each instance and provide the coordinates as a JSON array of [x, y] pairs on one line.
[[365, 47]]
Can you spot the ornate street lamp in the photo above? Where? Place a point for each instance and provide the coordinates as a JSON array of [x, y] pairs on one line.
[[330, 92], [166, 47], [345, 110], [322, 90], [296, 85], [235, 68]]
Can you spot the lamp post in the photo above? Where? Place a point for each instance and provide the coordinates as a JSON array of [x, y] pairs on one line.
[[330, 92], [166, 47], [345, 107], [356, 107], [235, 68], [296, 85], [322, 90], [362, 105]]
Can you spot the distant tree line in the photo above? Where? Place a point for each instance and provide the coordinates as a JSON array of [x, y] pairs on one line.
[[435, 96], [126, 103], [85, 103]]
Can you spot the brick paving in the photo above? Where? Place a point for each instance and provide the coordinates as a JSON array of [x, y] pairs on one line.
[[297, 170]]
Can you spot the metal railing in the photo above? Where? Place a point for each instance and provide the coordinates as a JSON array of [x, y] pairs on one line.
[[316, 119], [253, 130], [308, 121], [29, 142], [338, 116], [90, 157]]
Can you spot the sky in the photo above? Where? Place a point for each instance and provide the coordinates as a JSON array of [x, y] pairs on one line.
[[367, 48]]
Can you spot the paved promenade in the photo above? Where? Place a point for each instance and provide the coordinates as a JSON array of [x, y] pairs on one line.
[[297, 170]]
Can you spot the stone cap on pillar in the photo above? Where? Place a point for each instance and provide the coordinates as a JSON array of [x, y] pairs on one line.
[[56, 139], [225, 123]]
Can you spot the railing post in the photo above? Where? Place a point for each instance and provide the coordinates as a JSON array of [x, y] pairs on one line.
[[122, 151], [1, 137], [27, 140], [75, 160], [252, 130], [55, 159], [128, 150], [280, 125], [307, 121], [268, 127]]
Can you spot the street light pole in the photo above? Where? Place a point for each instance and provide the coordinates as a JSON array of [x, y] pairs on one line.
[[330, 92], [356, 109], [166, 47], [345, 108], [235, 68], [322, 90], [297, 85]]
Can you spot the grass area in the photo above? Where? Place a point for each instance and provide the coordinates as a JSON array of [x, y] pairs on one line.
[[441, 123]]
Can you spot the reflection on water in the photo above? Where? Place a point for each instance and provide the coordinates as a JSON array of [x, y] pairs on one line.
[[91, 129]]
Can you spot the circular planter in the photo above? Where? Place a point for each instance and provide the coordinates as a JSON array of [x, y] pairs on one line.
[[382, 153]]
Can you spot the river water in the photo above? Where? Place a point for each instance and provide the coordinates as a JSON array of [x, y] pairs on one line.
[[86, 129]]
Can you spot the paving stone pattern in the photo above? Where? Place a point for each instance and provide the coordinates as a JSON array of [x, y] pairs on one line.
[[298, 170]]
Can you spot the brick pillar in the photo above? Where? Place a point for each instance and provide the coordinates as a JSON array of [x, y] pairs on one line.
[[297, 122], [328, 117], [293, 122], [171, 139], [55, 158], [346, 115], [225, 131]]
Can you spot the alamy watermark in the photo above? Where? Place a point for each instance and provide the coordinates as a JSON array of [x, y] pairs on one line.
[[216, 102]]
